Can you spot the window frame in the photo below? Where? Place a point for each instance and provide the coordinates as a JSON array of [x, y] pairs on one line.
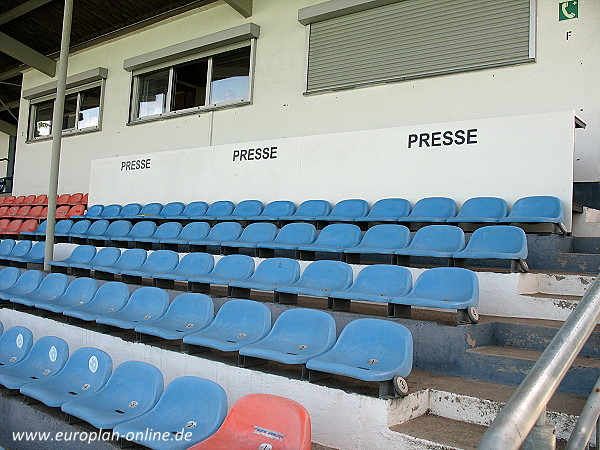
[[68, 131], [135, 85]]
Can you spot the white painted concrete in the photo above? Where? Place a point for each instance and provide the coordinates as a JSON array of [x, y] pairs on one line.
[[280, 109], [586, 224]]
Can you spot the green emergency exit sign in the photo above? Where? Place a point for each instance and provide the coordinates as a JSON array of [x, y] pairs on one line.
[[568, 10]]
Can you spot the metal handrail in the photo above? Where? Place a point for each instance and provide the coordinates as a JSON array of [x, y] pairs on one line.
[[588, 419], [514, 422]]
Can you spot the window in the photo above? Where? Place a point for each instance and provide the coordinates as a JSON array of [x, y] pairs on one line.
[[81, 114], [355, 44], [206, 83]]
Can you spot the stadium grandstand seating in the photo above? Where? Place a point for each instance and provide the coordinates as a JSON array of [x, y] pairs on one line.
[[344, 211], [109, 297], [190, 265], [15, 344]]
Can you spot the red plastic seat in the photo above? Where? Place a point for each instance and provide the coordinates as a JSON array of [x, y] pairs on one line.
[[75, 199], [29, 200], [8, 200], [4, 224], [262, 419], [41, 199], [62, 199], [22, 212], [2, 199], [3, 210], [77, 210], [34, 213], [13, 227], [43, 214], [84, 199], [12, 211], [19, 200], [28, 225], [62, 211]]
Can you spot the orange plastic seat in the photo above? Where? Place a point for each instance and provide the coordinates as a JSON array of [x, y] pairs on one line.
[[62, 211], [44, 213], [29, 200], [34, 213], [3, 210], [28, 225], [8, 201], [19, 200], [12, 211], [4, 223], [75, 199], [77, 210], [62, 199], [13, 227], [22, 212], [262, 419], [2, 199], [41, 199]]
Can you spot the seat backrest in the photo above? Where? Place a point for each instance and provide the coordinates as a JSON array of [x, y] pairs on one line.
[[386, 236], [489, 207], [62, 199], [540, 206], [167, 230], [248, 208], [84, 199], [383, 279], [446, 238], [130, 209], [94, 211], [15, 343], [81, 227], [28, 281], [342, 235], [106, 256], [197, 309], [111, 296], [195, 209], [246, 314], [23, 211], [350, 208], [146, 303], [41, 199], [118, 228], [313, 208], [220, 208], [28, 225], [234, 267], [9, 200], [47, 357], [82, 254], [19, 200], [62, 211], [89, 367], [97, 228], [225, 231], [63, 226], [132, 258], [501, 239], [75, 198], [41, 229], [142, 229], [160, 261], [53, 285], [194, 230], [111, 211], [312, 326], [326, 275], [13, 226], [451, 283], [150, 209], [76, 210], [198, 264], [297, 233], [29, 200], [390, 207], [4, 223], [36, 253], [172, 209], [8, 277], [82, 288], [279, 208], [6, 246], [21, 248], [3, 210], [44, 213], [280, 271], [35, 211], [434, 207], [258, 232]]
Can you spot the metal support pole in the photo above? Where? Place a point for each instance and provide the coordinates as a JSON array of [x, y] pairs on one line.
[[542, 436], [582, 432], [57, 119]]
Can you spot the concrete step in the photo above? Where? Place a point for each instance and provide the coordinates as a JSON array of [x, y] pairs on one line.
[[531, 355], [581, 262], [550, 284]]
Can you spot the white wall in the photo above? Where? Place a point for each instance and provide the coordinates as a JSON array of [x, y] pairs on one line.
[[566, 76], [4, 141]]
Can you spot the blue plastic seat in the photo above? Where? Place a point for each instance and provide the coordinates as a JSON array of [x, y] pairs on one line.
[[35, 255], [387, 210], [319, 279], [145, 304], [192, 405], [346, 211], [192, 264], [168, 230], [117, 230], [27, 282], [8, 277], [81, 254], [481, 210], [170, 209], [536, 209], [80, 291], [19, 250], [129, 210], [51, 287], [269, 274], [274, 211], [377, 283], [243, 210], [227, 269], [6, 247], [441, 287], [160, 261], [109, 297], [191, 211], [106, 256], [97, 228], [382, 239], [334, 238], [290, 237], [111, 212], [308, 211], [217, 209], [45, 359], [369, 350], [85, 372], [253, 234], [79, 228], [131, 391], [237, 323], [148, 210], [187, 313], [131, 259], [297, 335], [221, 232], [503, 242], [40, 231], [62, 228], [142, 229], [432, 209], [438, 241], [93, 212], [193, 231], [15, 343]]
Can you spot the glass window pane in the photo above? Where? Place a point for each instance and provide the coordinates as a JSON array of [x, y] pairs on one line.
[[230, 76], [70, 112], [153, 89], [190, 85], [43, 118], [89, 109]]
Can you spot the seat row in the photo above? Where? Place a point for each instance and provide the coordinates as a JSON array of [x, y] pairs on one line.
[[535, 209], [39, 212], [16, 226], [42, 199], [442, 287], [132, 399]]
